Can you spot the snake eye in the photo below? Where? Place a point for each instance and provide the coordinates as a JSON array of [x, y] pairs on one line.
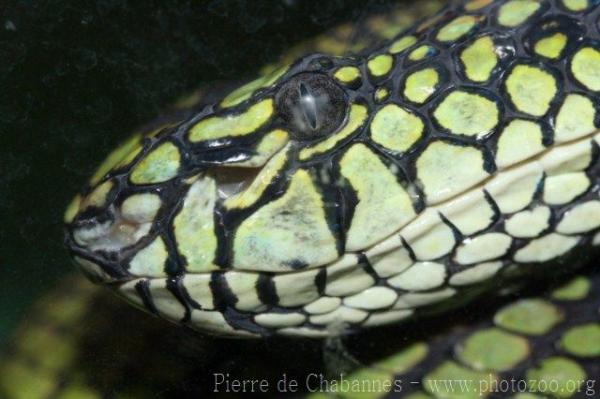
[[312, 105]]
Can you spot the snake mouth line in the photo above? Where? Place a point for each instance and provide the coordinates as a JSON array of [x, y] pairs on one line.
[[391, 280]]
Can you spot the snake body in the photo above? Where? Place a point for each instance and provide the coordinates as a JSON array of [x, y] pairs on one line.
[[455, 160]]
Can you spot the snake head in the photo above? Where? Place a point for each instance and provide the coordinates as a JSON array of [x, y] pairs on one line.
[[250, 186]]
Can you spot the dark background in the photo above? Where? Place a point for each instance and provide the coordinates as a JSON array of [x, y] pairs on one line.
[[77, 77]]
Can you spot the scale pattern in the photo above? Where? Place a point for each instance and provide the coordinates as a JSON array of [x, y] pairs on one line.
[[540, 345], [468, 155], [68, 348]]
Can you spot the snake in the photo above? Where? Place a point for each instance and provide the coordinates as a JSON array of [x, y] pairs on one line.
[[389, 191]]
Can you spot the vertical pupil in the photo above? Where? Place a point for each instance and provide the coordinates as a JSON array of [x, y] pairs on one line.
[[311, 105], [308, 105]]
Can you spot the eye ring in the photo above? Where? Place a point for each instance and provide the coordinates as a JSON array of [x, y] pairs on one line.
[[312, 105]]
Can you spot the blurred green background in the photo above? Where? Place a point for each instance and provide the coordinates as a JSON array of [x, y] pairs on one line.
[[77, 77]]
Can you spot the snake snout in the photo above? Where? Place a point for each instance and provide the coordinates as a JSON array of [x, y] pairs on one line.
[[109, 230], [109, 233]]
